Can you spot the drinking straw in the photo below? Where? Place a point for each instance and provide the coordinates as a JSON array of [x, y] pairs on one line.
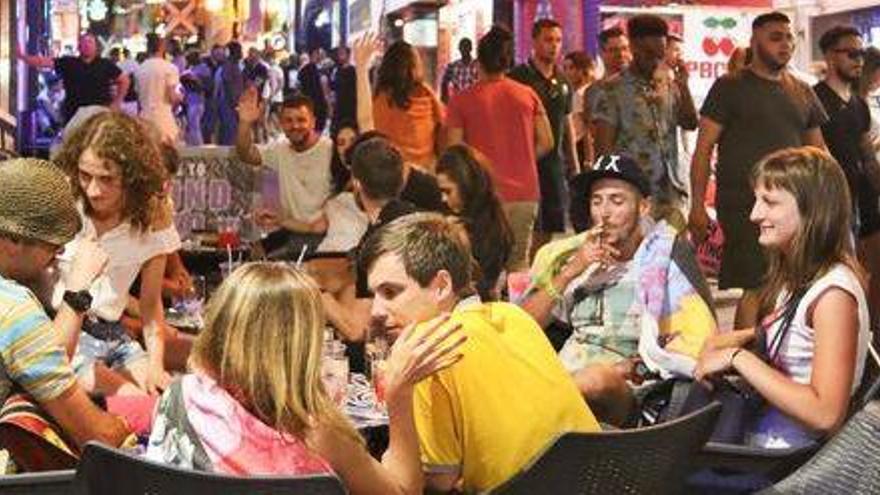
[[229, 257], [302, 255]]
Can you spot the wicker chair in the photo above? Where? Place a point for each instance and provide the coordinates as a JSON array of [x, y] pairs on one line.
[[848, 463], [45, 483], [645, 460], [107, 471]]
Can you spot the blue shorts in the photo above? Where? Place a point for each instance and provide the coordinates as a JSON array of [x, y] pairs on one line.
[[107, 342]]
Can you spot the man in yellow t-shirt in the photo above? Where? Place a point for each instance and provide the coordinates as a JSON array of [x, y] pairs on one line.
[[481, 420]]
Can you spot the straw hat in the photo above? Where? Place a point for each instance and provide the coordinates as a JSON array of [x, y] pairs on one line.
[[37, 202]]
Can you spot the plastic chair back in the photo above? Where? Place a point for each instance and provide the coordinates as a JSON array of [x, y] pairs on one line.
[[45, 483], [848, 463], [651, 460], [106, 471]]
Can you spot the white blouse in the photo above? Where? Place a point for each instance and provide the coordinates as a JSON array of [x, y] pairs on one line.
[[127, 249]]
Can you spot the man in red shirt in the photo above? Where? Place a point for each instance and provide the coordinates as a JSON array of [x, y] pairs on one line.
[[505, 121]]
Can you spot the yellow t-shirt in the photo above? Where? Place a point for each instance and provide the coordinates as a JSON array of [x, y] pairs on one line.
[[492, 412]]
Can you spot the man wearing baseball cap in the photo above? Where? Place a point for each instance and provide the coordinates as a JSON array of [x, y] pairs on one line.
[[37, 217], [602, 283]]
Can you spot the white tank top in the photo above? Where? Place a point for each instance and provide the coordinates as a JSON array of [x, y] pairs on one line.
[[795, 356]]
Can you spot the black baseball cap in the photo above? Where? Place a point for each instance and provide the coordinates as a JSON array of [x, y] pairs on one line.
[[620, 167]]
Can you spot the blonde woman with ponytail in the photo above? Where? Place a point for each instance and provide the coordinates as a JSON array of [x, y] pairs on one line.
[[254, 402]]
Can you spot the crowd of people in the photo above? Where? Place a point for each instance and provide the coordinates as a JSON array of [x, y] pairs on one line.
[[421, 210]]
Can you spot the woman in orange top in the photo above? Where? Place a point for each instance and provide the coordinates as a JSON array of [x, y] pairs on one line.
[[405, 108]]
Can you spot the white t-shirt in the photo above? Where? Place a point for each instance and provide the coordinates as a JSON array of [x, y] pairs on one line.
[[156, 79], [795, 356], [275, 86], [127, 250], [346, 224], [304, 178]]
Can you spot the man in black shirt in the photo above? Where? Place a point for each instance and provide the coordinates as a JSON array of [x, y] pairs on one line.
[[846, 132], [312, 83], [749, 114], [345, 88], [88, 78], [377, 173], [255, 72], [542, 74], [847, 135]]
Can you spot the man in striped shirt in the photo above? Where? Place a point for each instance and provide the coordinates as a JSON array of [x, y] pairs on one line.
[[37, 217]]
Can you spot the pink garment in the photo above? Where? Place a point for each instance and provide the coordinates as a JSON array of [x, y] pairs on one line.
[[239, 443], [498, 119], [136, 409]]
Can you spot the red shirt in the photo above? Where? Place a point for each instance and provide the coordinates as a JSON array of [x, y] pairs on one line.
[[498, 119]]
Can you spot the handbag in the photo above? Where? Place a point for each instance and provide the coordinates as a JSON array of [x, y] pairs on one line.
[[741, 404]]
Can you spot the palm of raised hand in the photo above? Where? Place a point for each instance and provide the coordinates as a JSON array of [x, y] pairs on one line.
[[249, 106], [364, 48]]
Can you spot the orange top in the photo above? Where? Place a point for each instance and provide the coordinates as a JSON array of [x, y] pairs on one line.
[[412, 130]]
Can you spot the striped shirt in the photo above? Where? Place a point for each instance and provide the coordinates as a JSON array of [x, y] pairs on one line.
[[31, 357]]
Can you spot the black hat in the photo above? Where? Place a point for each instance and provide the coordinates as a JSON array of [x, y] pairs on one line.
[[614, 167], [607, 166]]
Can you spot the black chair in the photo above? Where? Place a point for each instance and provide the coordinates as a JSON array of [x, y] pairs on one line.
[[107, 471], [848, 463], [644, 460], [44, 483]]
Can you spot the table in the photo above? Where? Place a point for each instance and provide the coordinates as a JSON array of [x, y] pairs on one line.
[[371, 421]]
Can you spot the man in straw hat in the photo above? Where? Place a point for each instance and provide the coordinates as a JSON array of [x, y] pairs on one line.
[[37, 217]]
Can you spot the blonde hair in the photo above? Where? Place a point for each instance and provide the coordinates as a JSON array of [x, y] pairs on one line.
[[262, 342], [824, 239]]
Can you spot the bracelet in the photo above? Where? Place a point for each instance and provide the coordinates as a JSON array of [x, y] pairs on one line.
[[733, 356], [551, 291]]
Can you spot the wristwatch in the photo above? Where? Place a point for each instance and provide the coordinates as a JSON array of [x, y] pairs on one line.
[[79, 301]]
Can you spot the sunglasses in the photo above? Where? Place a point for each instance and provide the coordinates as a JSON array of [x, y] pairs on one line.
[[852, 53]]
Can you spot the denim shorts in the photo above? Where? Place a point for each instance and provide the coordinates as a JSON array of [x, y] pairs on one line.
[[107, 342]]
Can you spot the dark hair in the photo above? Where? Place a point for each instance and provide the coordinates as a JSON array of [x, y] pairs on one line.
[[193, 58], [298, 100], [378, 167], [154, 42], [830, 38], [465, 44], [174, 46], [580, 59], [490, 233], [338, 168], [769, 18], [234, 48], [395, 75], [495, 50], [542, 24], [426, 243], [646, 26], [609, 34]]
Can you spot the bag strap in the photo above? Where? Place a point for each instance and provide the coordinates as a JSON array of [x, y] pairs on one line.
[[770, 350]]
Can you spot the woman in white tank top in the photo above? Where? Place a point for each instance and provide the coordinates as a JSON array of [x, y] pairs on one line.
[[813, 327]]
